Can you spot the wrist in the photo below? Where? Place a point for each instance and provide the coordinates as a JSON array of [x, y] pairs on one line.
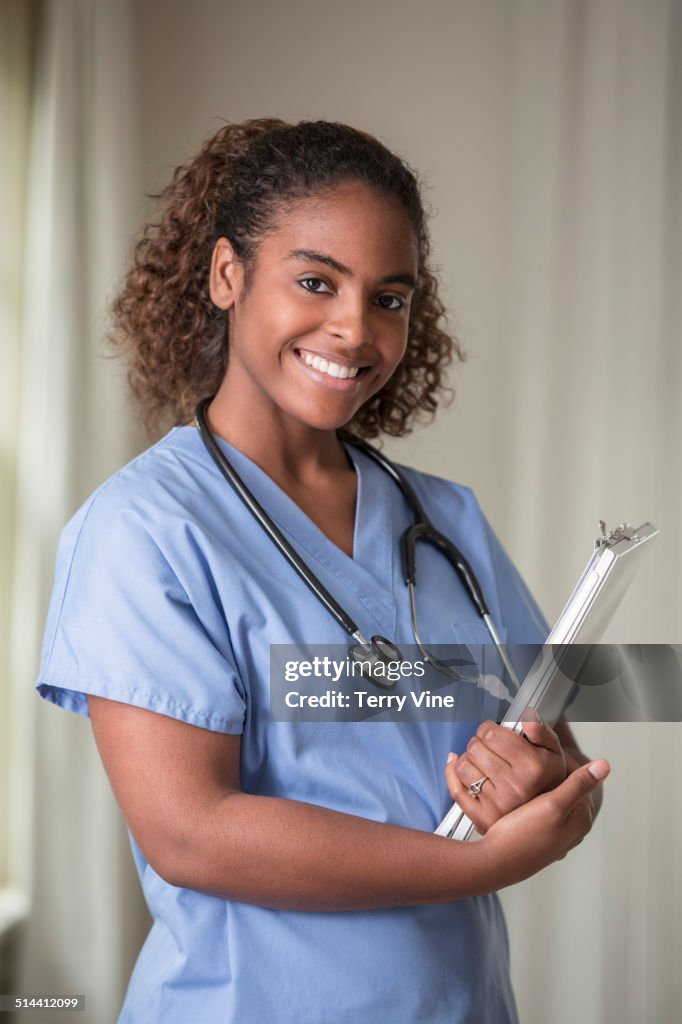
[[494, 860]]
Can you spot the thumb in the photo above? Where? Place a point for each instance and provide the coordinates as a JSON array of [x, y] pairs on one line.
[[581, 782]]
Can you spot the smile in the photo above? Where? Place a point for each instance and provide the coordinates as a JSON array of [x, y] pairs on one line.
[[337, 374]]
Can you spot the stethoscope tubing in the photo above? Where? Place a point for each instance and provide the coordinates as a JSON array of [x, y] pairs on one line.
[[277, 537], [421, 530]]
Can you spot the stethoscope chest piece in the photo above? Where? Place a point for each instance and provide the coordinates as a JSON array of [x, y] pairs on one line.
[[378, 651]]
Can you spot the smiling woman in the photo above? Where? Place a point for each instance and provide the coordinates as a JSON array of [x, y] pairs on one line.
[[291, 867], [349, 321]]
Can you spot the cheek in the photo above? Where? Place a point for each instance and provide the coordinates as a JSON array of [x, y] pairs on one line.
[[284, 322], [394, 352]]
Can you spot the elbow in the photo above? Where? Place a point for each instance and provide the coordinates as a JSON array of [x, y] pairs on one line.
[[200, 859], [166, 859], [169, 854], [170, 869]]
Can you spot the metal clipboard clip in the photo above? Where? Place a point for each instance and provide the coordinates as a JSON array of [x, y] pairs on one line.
[[622, 532]]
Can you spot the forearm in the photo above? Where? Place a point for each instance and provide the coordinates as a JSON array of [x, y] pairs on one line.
[[290, 855]]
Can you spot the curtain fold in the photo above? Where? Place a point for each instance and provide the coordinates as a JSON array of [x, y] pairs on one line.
[[590, 303], [16, 50], [591, 358], [87, 917]]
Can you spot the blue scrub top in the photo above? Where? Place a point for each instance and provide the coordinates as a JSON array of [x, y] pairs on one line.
[[167, 596]]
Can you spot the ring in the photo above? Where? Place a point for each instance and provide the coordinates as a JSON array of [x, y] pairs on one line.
[[476, 787]]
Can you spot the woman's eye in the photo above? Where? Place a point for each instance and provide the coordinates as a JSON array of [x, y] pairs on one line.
[[319, 287], [315, 281], [394, 298]]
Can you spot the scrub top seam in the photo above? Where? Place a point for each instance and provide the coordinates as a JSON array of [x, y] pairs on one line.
[[343, 579]]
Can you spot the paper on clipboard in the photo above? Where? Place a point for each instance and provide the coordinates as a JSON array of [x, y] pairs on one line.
[[548, 685]]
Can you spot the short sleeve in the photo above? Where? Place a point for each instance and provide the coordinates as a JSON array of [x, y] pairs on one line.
[[121, 625]]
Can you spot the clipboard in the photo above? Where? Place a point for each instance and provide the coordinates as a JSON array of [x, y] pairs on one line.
[[549, 684]]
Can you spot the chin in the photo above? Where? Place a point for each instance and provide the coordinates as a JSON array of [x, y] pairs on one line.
[[329, 424], [321, 418]]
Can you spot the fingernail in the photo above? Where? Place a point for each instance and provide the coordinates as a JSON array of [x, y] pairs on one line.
[[599, 769], [451, 757]]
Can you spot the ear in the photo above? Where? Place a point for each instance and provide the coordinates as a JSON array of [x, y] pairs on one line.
[[226, 277]]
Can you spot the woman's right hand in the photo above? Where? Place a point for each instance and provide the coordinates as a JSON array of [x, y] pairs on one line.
[[543, 830]]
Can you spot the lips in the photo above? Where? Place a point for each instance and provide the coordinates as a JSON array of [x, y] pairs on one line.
[[330, 371], [336, 367]]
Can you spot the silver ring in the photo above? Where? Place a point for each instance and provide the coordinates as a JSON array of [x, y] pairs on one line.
[[476, 787]]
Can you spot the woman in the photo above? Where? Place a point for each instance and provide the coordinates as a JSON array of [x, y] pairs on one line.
[[290, 867]]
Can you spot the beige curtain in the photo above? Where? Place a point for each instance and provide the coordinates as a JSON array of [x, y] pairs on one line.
[[573, 317], [68, 847], [16, 30], [550, 134], [568, 264]]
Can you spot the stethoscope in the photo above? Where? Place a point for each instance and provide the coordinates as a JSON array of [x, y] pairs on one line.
[[377, 650]]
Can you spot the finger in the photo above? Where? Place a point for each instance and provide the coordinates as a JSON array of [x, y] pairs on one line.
[[571, 762], [542, 735], [485, 758], [468, 771], [530, 768], [481, 814], [511, 745], [460, 772], [451, 777], [578, 784]]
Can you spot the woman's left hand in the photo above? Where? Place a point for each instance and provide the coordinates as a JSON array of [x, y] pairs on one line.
[[517, 768]]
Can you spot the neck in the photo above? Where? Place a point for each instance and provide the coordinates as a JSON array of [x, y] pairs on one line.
[[284, 449]]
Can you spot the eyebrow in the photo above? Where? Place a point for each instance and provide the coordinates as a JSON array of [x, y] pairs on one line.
[[320, 257]]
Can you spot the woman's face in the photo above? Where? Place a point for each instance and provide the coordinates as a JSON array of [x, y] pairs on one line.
[[325, 321]]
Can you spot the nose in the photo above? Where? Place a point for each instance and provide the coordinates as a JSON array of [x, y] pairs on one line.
[[350, 323]]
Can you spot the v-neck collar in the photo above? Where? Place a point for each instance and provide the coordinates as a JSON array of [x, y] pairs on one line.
[[369, 574]]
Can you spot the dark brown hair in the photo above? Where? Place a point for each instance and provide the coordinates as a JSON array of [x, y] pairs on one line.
[[241, 177]]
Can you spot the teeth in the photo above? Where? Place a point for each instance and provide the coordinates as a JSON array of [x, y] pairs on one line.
[[333, 369]]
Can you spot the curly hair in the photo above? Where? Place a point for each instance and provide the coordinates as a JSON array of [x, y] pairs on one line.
[[177, 340]]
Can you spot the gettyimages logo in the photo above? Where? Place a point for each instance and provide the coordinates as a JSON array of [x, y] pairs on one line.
[[323, 683], [598, 682]]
